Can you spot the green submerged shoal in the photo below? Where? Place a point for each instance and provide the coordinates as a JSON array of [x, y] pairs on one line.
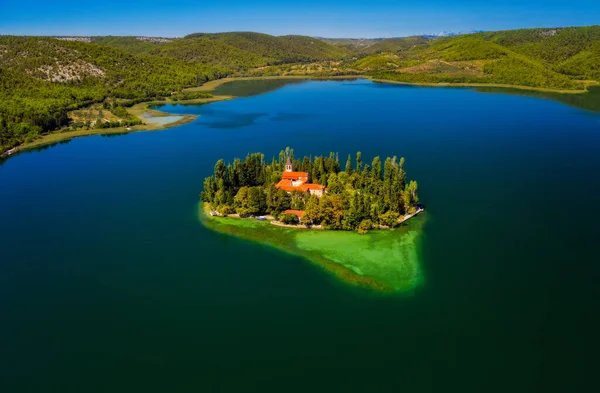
[[384, 260]]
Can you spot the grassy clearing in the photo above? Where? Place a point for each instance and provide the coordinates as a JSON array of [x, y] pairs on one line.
[[136, 110], [386, 260]]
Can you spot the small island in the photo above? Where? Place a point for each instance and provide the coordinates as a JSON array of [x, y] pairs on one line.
[[360, 213], [314, 192]]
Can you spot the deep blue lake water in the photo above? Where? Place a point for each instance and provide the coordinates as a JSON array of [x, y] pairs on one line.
[[108, 282]]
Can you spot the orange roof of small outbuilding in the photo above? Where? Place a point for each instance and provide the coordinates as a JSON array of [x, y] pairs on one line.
[[311, 186], [298, 213]]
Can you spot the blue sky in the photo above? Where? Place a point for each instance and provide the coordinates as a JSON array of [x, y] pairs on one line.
[[327, 18]]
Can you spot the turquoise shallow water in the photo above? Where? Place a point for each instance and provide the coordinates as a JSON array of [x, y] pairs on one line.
[[161, 120], [108, 282]]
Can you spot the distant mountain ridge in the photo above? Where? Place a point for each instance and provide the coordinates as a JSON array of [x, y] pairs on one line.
[[452, 33], [234, 50]]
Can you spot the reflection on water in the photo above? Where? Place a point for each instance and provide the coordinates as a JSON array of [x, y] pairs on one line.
[[248, 88], [45, 147], [589, 101], [114, 134]]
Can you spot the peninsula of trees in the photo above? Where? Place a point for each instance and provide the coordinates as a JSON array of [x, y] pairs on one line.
[[358, 196]]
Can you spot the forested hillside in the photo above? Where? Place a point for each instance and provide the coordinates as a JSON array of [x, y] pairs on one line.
[[549, 58], [207, 51], [573, 51], [244, 50], [41, 79], [352, 44], [394, 45], [134, 45]]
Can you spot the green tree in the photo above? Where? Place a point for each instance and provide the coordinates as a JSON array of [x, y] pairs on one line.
[[297, 200], [352, 218], [348, 168], [289, 219], [365, 226], [312, 212], [376, 169], [389, 218], [281, 201], [333, 184], [257, 201], [241, 201], [358, 162]]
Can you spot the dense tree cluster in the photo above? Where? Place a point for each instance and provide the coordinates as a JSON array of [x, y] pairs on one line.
[[130, 44], [519, 71], [394, 44], [115, 123], [359, 195], [550, 46], [241, 51], [265, 49], [182, 96]]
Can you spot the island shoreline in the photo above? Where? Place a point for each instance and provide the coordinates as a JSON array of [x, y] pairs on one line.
[[208, 209], [338, 270]]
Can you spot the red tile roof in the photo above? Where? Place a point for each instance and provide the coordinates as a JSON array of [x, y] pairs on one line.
[[306, 187], [295, 176], [298, 213], [286, 183]]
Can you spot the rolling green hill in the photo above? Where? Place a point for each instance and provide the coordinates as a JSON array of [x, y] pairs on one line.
[[394, 45], [352, 44], [135, 45], [584, 65], [573, 51], [542, 58], [208, 51], [236, 50], [244, 50]]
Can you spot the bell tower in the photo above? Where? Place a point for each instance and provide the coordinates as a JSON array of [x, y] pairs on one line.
[[288, 165]]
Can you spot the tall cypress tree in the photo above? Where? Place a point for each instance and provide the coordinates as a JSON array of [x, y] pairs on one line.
[[349, 165]]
